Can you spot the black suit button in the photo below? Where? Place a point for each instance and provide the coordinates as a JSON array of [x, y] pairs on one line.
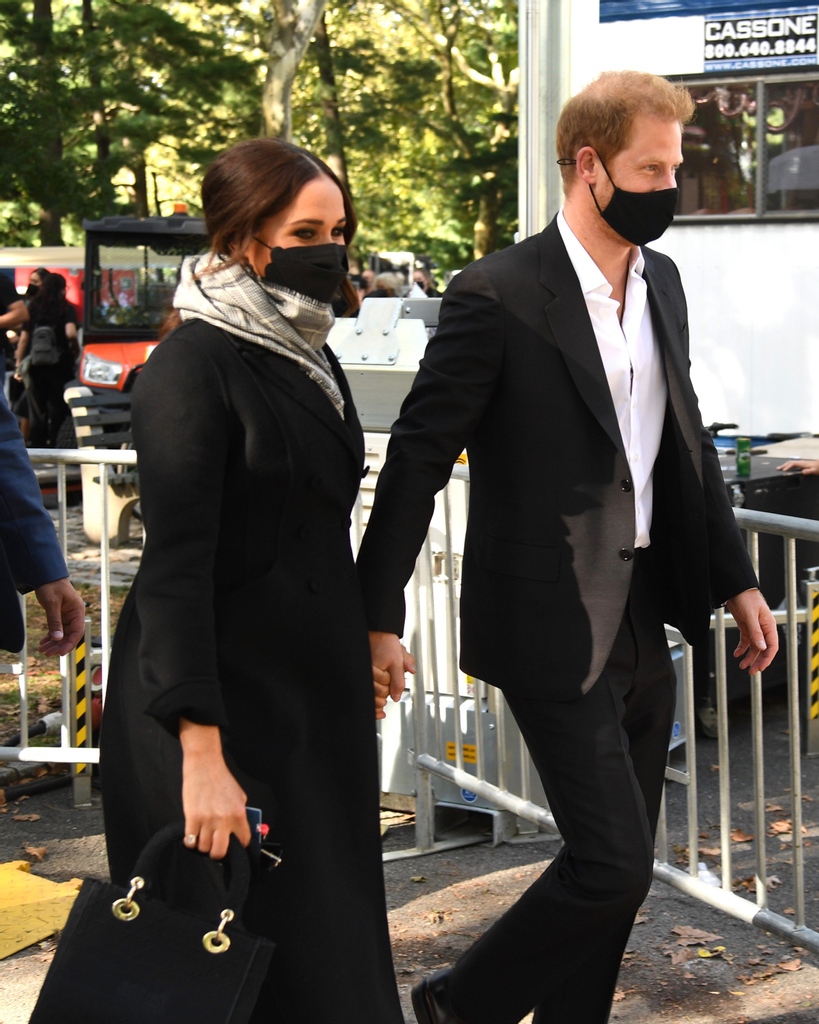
[[625, 485], [304, 532], [316, 482], [626, 555], [314, 586]]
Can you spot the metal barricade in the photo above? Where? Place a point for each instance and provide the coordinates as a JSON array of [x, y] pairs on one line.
[[490, 766], [461, 744], [70, 750]]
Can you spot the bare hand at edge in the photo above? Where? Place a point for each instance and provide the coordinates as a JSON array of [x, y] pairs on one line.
[[758, 636], [65, 615], [809, 467]]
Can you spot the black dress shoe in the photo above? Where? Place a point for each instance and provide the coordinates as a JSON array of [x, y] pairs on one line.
[[430, 1000]]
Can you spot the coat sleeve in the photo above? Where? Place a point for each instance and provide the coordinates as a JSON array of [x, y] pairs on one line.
[[455, 382], [182, 424], [26, 530]]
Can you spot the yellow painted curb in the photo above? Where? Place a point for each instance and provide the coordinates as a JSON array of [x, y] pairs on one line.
[[31, 908]]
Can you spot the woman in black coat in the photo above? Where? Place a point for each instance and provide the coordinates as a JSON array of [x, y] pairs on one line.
[[241, 672]]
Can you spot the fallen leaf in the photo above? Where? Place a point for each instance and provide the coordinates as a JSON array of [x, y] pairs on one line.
[[710, 851], [708, 953], [680, 956], [693, 936], [789, 910], [772, 808], [778, 827], [738, 836], [714, 767], [25, 817], [730, 993], [418, 878], [790, 965]]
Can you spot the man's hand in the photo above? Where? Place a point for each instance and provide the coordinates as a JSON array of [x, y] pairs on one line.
[[758, 637], [65, 614], [390, 661]]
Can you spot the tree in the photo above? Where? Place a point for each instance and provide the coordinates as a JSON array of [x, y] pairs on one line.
[[116, 107], [427, 97], [292, 26]]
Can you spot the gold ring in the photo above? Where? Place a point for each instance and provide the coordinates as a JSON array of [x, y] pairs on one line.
[[190, 840]]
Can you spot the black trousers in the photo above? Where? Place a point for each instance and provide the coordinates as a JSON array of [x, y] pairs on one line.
[[601, 759]]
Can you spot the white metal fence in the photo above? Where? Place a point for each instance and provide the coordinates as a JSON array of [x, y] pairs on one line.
[[453, 741]]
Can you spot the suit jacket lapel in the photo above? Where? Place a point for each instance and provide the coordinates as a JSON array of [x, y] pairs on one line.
[[676, 370], [569, 320]]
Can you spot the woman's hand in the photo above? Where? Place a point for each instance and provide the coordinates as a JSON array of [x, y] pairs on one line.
[[213, 801], [390, 661]]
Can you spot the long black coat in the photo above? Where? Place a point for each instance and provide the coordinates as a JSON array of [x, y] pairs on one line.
[[246, 613], [514, 374]]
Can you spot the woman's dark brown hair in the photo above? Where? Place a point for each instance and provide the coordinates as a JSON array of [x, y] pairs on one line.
[[252, 181]]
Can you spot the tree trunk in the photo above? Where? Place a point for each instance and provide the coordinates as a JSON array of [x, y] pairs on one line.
[[486, 226], [102, 137], [50, 221], [328, 95], [140, 187], [294, 22]]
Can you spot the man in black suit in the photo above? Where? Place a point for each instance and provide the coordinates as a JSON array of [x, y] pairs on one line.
[[597, 513]]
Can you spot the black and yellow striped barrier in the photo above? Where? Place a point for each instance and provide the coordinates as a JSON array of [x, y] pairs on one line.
[[80, 677], [812, 703]]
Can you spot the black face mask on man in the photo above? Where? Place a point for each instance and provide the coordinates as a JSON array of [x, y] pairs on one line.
[[316, 271], [639, 217]]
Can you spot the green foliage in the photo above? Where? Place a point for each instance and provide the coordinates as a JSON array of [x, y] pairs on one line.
[[116, 106], [425, 143], [94, 108]]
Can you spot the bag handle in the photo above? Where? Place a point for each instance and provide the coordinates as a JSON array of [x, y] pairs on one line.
[[237, 862]]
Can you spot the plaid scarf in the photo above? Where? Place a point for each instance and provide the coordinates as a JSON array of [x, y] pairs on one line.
[[235, 299]]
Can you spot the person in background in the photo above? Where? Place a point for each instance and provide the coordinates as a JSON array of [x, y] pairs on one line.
[[597, 513], [12, 317], [422, 277], [387, 285], [30, 556], [47, 408], [250, 460], [366, 283]]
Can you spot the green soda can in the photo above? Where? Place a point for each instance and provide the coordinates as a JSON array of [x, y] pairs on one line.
[[743, 456]]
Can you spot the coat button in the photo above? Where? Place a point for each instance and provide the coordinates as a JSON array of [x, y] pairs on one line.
[[626, 555], [316, 482], [304, 532], [314, 586], [625, 485]]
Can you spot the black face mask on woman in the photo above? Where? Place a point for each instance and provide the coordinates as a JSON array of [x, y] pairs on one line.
[[316, 271], [639, 217]]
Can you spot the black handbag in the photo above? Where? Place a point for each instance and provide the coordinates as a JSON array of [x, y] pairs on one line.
[[127, 959]]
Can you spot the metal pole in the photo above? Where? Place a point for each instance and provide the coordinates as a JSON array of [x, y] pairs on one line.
[[543, 52]]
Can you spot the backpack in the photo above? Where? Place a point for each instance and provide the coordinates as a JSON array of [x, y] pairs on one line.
[[44, 349]]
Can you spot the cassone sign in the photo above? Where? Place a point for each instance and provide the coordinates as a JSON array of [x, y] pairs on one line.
[[762, 39]]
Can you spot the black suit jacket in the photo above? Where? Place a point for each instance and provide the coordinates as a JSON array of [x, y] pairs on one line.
[[514, 374]]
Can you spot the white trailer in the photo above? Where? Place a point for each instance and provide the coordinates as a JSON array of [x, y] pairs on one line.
[[746, 236]]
